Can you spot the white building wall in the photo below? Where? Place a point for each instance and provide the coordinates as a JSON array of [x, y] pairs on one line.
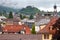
[[37, 28]]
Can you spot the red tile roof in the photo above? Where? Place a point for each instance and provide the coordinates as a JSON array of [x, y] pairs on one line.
[[16, 28], [46, 29]]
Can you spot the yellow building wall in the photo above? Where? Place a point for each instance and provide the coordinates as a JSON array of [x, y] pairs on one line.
[[50, 37], [42, 26]]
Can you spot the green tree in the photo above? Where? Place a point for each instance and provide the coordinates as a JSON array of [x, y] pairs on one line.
[[24, 17], [21, 16], [10, 15], [0, 14], [33, 29], [31, 17], [29, 10]]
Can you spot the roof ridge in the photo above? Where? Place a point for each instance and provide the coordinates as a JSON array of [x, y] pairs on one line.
[[50, 23]]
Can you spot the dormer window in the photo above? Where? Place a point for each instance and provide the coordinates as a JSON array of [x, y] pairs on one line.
[[57, 28], [51, 28], [21, 32]]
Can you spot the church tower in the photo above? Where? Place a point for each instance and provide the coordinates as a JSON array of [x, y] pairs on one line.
[[55, 10]]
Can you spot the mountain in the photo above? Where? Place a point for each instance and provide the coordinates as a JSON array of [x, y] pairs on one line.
[[29, 10], [7, 9]]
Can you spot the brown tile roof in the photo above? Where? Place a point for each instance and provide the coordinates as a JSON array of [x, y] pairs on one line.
[[12, 19], [46, 29], [16, 28]]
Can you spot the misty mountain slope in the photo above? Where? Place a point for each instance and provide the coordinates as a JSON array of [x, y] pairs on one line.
[[7, 9]]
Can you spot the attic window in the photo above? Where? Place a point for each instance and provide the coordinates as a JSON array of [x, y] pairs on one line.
[[50, 28], [57, 28]]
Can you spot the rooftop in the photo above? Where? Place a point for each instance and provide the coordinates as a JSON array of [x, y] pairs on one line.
[[46, 28], [16, 28], [42, 21]]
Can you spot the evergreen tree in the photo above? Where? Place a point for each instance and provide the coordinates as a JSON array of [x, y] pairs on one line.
[[21, 16], [31, 17], [33, 29], [24, 17], [0, 14], [10, 15]]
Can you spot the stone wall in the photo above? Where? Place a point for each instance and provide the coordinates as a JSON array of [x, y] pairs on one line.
[[20, 37]]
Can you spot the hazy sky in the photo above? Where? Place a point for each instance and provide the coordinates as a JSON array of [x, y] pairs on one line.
[[41, 4]]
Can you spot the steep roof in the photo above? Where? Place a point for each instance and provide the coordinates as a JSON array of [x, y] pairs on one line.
[[46, 29], [16, 28]]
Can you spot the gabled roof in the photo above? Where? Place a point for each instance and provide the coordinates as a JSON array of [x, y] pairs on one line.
[[46, 29], [16, 28]]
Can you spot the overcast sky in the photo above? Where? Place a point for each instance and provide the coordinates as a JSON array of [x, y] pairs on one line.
[[41, 4]]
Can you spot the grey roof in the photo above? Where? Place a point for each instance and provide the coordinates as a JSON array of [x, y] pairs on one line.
[[2, 17], [27, 20], [20, 37], [42, 21]]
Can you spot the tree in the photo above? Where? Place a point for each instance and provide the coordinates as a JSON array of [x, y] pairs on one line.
[[31, 17], [10, 15], [29, 10], [24, 17], [21, 16], [33, 29], [0, 14]]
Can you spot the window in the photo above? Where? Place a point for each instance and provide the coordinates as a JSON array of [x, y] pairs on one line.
[[46, 36], [22, 31], [51, 28]]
